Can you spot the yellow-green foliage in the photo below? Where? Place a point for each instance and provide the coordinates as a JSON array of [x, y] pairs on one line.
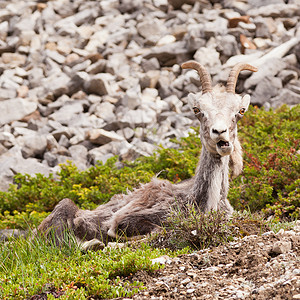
[[270, 181]]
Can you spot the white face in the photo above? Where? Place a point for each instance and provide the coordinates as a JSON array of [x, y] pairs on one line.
[[218, 115]]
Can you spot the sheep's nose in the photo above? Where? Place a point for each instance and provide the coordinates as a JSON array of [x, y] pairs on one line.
[[218, 131]]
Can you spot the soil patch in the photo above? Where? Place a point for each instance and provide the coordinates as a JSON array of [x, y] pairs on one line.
[[256, 267]]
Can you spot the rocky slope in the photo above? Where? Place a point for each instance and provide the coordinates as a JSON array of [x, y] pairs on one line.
[[257, 267], [86, 80]]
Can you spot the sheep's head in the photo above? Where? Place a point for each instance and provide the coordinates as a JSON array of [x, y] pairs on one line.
[[218, 110]]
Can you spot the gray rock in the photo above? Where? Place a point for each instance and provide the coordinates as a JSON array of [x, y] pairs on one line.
[[3, 149], [294, 86], [137, 118], [97, 155], [168, 54], [7, 139], [62, 131], [51, 159], [64, 141], [178, 3], [150, 64], [77, 82], [287, 75], [12, 162], [34, 145], [174, 103], [150, 79], [57, 84], [54, 55], [151, 29], [97, 67], [6, 234], [161, 4], [270, 68], [78, 137], [105, 111], [101, 136], [262, 29], [127, 133], [209, 58], [7, 94], [145, 147], [82, 66], [78, 19], [98, 84], [15, 109], [79, 156], [35, 76], [217, 27], [265, 90], [227, 45], [285, 96], [275, 10], [66, 112], [132, 97], [281, 247]]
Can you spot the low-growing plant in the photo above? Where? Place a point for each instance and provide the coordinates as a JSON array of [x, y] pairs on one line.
[[270, 179], [186, 227], [34, 267]]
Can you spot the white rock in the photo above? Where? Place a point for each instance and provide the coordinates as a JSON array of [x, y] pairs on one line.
[[161, 260], [101, 136], [15, 109], [138, 117], [281, 247]]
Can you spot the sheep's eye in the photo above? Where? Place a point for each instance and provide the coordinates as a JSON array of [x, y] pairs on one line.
[[196, 110], [242, 111]]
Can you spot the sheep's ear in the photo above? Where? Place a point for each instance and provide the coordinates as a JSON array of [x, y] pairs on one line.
[[192, 100], [245, 102]]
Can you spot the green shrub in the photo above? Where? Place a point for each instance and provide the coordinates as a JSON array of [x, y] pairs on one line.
[[270, 181]]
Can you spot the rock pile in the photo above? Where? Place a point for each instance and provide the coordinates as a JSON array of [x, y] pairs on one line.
[[86, 80], [256, 267]]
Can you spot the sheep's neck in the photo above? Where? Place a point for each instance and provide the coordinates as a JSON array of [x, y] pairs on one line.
[[211, 181]]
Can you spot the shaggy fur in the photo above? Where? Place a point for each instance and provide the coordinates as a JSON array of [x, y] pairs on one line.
[[145, 209]]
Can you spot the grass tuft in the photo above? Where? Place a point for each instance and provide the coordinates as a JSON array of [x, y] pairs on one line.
[[187, 227]]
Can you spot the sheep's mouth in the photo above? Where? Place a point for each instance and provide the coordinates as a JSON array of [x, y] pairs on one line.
[[222, 144]]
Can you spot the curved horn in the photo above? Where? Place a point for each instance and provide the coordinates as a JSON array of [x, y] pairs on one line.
[[234, 73], [204, 75]]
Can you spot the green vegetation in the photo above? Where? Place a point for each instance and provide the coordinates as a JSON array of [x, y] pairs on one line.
[[186, 227], [35, 267], [270, 184], [271, 177]]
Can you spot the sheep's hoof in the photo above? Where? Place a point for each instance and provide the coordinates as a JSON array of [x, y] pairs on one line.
[[92, 245], [111, 232]]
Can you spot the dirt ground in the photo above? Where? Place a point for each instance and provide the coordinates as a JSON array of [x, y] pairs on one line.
[[256, 267]]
